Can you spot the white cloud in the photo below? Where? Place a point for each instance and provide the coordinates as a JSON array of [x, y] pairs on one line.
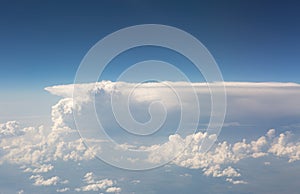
[[10, 128], [235, 182], [267, 163], [63, 190], [271, 133], [283, 147], [37, 147], [135, 182], [216, 172], [113, 190], [40, 169], [40, 181], [20, 192], [244, 98], [62, 115], [216, 162], [94, 184]]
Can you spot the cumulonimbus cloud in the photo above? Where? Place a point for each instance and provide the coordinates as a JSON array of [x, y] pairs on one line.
[[244, 99]]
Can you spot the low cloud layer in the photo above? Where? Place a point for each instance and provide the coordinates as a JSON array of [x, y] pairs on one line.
[[36, 158]]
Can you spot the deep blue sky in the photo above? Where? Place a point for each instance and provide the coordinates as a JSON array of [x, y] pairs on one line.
[[42, 43]]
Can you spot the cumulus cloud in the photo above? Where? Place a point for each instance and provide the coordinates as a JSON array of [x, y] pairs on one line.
[[40, 169], [113, 190], [215, 163], [10, 128], [94, 184], [39, 145], [20, 192], [62, 190], [283, 147], [135, 182], [267, 163], [41, 181], [216, 172], [217, 160], [235, 182]]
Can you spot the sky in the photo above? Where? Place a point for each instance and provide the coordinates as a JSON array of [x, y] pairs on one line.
[[250, 40], [256, 47]]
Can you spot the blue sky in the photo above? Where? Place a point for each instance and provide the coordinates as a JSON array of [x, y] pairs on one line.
[[42, 44]]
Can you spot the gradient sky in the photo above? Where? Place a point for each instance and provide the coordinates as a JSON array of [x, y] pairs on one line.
[[42, 43]]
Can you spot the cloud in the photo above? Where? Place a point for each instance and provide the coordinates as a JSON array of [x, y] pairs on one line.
[[235, 182], [10, 128], [93, 184], [135, 182], [244, 98], [20, 192], [216, 172], [213, 163], [113, 190], [40, 181], [62, 115], [37, 148], [216, 162], [40, 169], [37, 151], [63, 190], [283, 147]]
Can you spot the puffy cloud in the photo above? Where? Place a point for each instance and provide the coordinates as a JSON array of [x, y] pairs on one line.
[[40, 169], [135, 182], [37, 147], [283, 147], [235, 182], [40, 181], [113, 190], [10, 128], [92, 184], [216, 162], [27, 148], [20, 192], [271, 133], [216, 172], [62, 115], [63, 190]]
